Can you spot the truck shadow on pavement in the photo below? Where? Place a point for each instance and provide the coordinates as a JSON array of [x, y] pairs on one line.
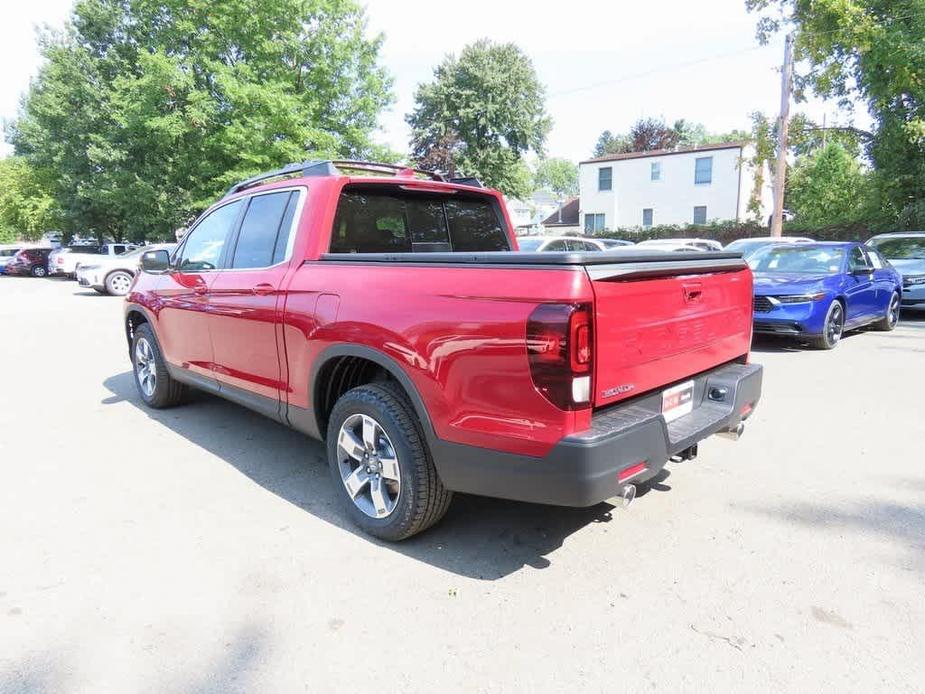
[[479, 537]]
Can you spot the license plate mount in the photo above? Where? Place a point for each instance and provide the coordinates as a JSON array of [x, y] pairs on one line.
[[678, 401]]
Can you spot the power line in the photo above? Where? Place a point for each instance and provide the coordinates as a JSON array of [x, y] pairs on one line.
[[655, 71]]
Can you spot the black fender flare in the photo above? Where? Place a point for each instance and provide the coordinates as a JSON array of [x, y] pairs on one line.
[[307, 421]]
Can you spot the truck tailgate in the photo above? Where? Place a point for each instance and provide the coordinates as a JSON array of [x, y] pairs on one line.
[[658, 324]]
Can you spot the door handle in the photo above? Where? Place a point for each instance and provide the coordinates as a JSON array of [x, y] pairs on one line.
[[263, 289], [200, 289]]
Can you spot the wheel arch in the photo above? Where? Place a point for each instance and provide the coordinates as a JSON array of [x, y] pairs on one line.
[[342, 367], [135, 315]]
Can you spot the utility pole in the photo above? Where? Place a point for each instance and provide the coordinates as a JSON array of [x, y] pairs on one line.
[[783, 126]]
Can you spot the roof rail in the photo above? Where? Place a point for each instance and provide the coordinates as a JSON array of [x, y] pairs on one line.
[[330, 167], [467, 181]]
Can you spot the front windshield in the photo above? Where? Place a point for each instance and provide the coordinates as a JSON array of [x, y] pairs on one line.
[[132, 253], [902, 248], [529, 244], [816, 261]]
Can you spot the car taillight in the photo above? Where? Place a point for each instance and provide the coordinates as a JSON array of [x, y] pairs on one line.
[[560, 351]]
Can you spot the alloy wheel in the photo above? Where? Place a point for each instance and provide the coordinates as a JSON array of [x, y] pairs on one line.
[[836, 324], [119, 283], [893, 311], [368, 466], [145, 367]]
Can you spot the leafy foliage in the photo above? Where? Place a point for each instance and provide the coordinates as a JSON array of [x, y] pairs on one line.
[[648, 134], [481, 113], [872, 50], [827, 187], [146, 111], [558, 175], [27, 209], [730, 230]]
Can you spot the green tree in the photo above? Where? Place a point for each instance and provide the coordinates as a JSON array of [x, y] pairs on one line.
[[147, 111], [827, 187], [481, 113], [869, 50], [558, 175], [27, 209], [608, 143]]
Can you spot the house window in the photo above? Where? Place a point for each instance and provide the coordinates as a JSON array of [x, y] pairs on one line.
[[647, 217], [605, 178], [703, 170], [655, 171], [700, 214], [594, 222]]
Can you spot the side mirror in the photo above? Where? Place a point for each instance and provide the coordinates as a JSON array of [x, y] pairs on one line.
[[155, 261]]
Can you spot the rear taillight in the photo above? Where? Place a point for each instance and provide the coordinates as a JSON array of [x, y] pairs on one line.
[[560, 350]]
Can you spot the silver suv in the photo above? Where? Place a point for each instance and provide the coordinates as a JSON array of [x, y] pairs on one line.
[[906, 252]]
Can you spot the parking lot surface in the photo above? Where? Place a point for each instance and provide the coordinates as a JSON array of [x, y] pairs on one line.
[[202, 548]]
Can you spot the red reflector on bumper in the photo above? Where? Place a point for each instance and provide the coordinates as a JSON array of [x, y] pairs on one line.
[[746, 410], [631, 471]]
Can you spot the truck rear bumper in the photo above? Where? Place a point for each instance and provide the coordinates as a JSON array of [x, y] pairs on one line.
[[585, 468]]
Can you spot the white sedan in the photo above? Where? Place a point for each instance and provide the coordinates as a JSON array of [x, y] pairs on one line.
[[544, 244], [114, 274]]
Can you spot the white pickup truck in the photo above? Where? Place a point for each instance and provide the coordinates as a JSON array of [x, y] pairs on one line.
[[64, 261]]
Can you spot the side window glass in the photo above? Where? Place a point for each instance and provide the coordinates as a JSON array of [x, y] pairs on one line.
[[557, 246], [874, 259], [857, 260], [204, 244], [256, 244]]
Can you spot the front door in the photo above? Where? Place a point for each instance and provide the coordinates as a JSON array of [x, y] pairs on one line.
[[244, 301], [860, 291], [183, 326]]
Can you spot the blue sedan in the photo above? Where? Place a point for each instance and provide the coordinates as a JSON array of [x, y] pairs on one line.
[[816, 291]]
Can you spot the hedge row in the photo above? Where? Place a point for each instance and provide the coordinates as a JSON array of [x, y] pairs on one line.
[[725, 232]]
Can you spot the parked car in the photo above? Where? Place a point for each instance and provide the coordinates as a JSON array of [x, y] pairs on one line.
[[64, 261], [906, 252], [28, 261], [542, 244], [610, 244], [681, 244], [114, 274], [383, 315], [6, 255], [816, 291], [755, 243]]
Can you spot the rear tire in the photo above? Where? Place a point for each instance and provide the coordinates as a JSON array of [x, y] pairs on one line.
[[832, 329], [118, 283], [39, 271], [380, 464], [889, 321], [152, 380]]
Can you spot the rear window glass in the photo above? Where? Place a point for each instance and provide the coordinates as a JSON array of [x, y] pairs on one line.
[[370, 221]]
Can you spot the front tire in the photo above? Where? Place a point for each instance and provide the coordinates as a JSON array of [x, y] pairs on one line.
[[118, 283], [39, 271], [152, 380], [833, 328], [380, 464], [889, 321]]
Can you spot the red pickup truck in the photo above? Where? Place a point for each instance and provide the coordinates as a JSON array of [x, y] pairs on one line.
[[383, 310]]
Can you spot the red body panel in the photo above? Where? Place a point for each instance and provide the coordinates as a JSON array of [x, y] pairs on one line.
[[458, 333]]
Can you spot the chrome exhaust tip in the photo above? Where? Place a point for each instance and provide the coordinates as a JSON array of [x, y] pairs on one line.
[[629, 493], [733, 434]]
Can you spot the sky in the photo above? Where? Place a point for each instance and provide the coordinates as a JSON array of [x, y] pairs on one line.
[[604, 65]]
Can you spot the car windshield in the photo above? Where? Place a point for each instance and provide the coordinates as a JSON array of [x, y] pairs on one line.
[[529, 244], [135, 251], [815, 261], [8, 252], [902, 248]]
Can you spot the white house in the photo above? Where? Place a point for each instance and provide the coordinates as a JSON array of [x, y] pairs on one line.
[[689, 186]]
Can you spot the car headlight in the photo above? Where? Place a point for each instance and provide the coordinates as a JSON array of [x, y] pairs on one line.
[[800, 298]]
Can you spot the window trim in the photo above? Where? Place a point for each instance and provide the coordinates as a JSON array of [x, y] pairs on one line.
[[293, 228], [651, 211], [705, 213], [653, 167], [600, 170], [232, 239]]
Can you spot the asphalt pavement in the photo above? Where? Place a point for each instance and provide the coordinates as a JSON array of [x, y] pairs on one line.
[[201, 549]]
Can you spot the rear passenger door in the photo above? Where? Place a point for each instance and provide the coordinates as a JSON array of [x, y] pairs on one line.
[[244, 301]]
